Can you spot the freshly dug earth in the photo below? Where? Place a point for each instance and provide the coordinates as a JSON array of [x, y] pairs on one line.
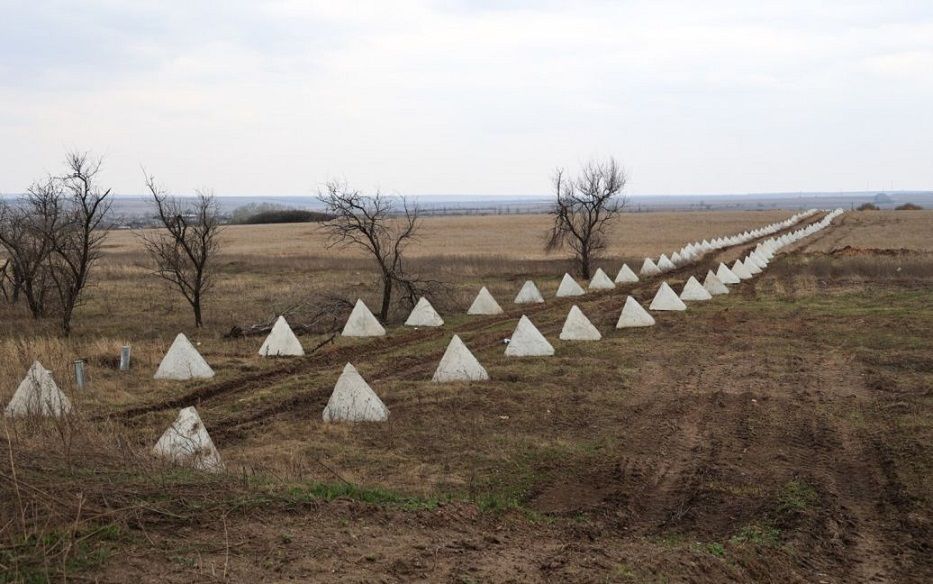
[[780, 433]]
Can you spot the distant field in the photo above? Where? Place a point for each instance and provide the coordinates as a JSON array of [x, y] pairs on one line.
[[508, 236], [910, 230], [782, 429]]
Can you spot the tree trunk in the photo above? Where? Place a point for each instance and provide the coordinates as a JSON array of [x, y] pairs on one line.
[[386, 297], [196, 306], [66, 323], [585, 264], [17, 287]]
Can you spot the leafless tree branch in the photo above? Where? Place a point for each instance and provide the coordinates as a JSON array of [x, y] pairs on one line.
[[373, 224], [583, 209], [183, 250]]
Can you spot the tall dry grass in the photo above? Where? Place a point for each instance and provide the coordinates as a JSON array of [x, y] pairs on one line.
[[71, 488]]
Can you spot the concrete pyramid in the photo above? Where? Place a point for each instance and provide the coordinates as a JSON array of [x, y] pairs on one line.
[[484, 303], [666, 299], [354, 401], [186, 442], [726, 276], [182, 361], [281, 341], [739, 269], [664, 264], [757, 260], [634, 315], [648, 268], [626, 275], [459, 364], [423, 314], [578, 328], [527, 341], [362, 323], [529, 294], [693, 290], [676, 258], [714, 285], [569, 287], [38, 395], [601, 281], [751, 266]]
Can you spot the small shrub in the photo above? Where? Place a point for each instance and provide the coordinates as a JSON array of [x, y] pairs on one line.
[[867, 207], [908, 207]]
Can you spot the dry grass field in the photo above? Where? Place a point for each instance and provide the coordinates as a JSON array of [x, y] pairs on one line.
[[780, 433]]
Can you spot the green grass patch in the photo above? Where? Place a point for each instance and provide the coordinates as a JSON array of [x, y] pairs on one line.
[[372, 495], [51, 555], [796, 496], [762, 535]]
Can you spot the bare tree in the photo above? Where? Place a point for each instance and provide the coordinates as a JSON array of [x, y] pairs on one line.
[[184, 250], [585, 206], [374, 224], [78, 237], [25, 230]]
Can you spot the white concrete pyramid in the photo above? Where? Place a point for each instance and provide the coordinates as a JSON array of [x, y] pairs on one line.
[[648, 268], [626, 275], [423, 314], [693, 290], [726, 276], [758, 260], [578, 328], [362, 323], [484, 304], [666, 299], [569, 287], [751, 266], [739, 269], [353, 400], [182, 361], [714, 285], [664, 264], [38, 395], [281, 341], [529, 294], [459, 364], [601, 281], [634, 315], [527, 341], [186, 442], [676, 258]]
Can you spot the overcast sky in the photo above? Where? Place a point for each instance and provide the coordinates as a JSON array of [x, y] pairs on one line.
[[478, 97]]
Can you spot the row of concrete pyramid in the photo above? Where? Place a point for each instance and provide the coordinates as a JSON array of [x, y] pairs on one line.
[[187, 441], [183, 361], [353, 400], [694, 251]]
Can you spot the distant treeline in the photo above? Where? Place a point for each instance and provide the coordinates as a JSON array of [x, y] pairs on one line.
[[257, 213]]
